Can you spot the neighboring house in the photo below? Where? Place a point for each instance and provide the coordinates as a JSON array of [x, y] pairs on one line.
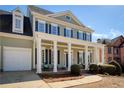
[[114, 49], [57, 40]]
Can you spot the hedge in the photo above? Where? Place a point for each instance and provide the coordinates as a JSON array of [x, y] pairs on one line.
[[118, 67], [75, 69]]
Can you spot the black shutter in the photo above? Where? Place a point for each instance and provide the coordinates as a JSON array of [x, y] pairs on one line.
[[77, 35], [85, 36], [58, 30], [36, 25], [90, 37], [64, 31], [46, 56], [50, 56], [58, 57], [49, 28], [46, 28], [78, 57], [72, 33]]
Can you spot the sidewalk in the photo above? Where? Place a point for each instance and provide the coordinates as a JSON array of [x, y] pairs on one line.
[[70, 83], [62, 84]]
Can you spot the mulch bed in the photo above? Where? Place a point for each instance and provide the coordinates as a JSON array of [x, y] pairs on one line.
[[48, 78]]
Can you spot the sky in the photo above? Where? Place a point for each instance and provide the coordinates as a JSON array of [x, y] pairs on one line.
[[106, 21]]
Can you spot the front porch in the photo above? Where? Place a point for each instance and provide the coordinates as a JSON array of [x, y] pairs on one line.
[[57, 54]]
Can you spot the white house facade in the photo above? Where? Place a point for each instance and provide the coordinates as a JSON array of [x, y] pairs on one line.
[[58, 40]]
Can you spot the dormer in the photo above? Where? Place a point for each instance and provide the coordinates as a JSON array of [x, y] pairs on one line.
[[17, 18]]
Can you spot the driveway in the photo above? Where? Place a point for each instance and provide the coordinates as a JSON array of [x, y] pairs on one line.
[[21, 79]]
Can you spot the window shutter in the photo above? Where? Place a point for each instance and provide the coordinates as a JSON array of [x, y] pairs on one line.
[[78, 57], [58, 30], [49, 28], [46, 56], [90, 37], [72, 33], [36, 25], [58, 57], [77, 35], [50, 56], [64, 32], [46, 28]]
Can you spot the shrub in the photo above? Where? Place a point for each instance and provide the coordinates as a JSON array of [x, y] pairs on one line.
[[45, 67], [107, 68], [76, 69], [118, 67], [93, 68]]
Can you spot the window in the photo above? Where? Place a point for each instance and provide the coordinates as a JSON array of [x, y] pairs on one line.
[[68, 18], [67, 32], [41, 26], [54, 29], [109, 50], [116, 51], [81, 35], [84, 36], [18, 23]]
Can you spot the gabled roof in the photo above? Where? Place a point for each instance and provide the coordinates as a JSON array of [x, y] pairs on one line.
[[64, 13], [115, 40], [4, 12], [17, 9], [39, 10]]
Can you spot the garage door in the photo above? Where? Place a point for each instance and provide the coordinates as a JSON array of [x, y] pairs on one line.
[[16, 59]]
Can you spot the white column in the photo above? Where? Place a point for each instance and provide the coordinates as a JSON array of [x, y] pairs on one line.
[[34, 54], [103, 55], [33, 25], [55, 56], [69, 56], [39, 57], [86, 57]]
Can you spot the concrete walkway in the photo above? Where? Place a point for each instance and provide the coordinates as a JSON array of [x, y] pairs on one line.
[[70, 83], [31, 80], [25, 79], [27, 84]]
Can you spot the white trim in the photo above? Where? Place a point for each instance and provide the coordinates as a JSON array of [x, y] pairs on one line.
[[15, 36], [14, 15], [41, 21], [68, 28], [53, 24]]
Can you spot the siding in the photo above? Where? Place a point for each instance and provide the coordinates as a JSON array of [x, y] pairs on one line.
[[64, 19]]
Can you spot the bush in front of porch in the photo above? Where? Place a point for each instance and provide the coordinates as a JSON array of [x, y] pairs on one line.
[[76, 69], [103, 69]]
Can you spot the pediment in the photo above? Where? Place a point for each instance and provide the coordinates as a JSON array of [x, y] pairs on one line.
[[64, 16]]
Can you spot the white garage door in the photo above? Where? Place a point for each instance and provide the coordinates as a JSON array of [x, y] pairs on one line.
[[16, 59]]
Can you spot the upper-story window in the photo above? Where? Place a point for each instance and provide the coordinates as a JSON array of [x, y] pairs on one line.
[[54, 29], [17, 21], [116, 51], [81, 35], [67, 32], [41, 26], [109, 50]]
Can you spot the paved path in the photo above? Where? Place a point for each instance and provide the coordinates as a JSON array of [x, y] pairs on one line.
[[31, 80], [70, 83], [26, 84]]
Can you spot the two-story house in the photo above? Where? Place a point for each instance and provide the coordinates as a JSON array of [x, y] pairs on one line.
[[114, 49], [43, 38]]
